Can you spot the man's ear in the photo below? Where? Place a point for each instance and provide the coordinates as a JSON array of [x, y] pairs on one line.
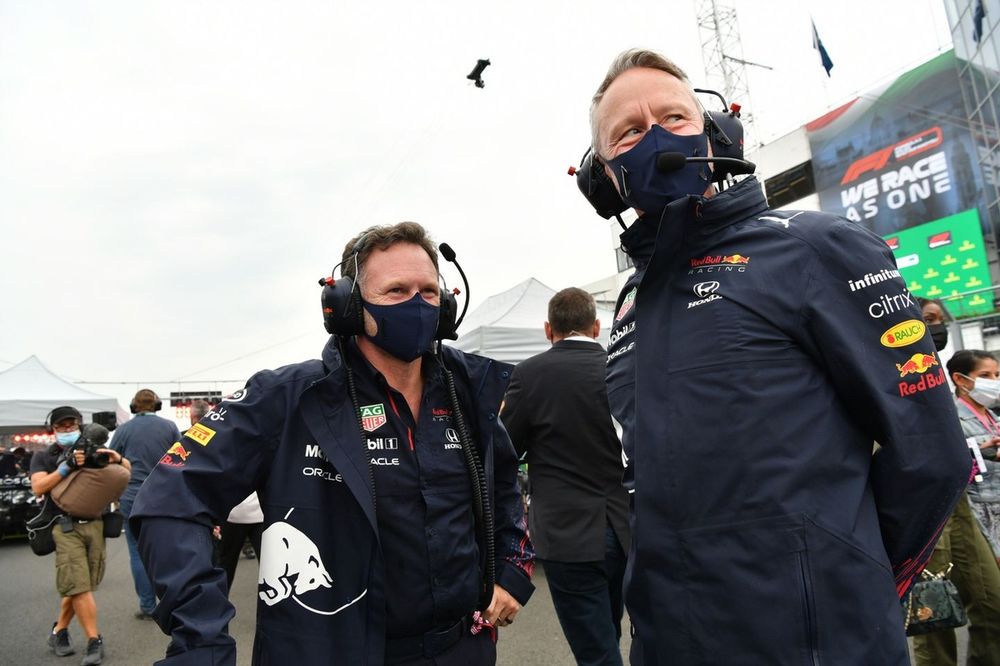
[[548, 331], [596, 331]]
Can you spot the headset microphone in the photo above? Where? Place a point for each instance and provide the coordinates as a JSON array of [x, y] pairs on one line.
[[449, 256], [666, 162]]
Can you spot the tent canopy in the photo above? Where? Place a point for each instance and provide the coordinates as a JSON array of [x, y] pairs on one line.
[[29, 391], [509, 326]]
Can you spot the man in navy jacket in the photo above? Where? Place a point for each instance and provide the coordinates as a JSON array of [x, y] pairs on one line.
[[371, 553], [757, 356]]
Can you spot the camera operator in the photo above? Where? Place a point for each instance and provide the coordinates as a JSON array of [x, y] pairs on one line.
[[79, 543]]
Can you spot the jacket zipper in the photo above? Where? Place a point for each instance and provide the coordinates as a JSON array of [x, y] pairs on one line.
[[807, 610]]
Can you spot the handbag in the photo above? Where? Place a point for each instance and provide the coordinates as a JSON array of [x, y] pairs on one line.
[[39, 528], [934, 604], [114, 521]]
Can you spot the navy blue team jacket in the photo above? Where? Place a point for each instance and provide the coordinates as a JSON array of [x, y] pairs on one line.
[[755, 358], [292, 436]]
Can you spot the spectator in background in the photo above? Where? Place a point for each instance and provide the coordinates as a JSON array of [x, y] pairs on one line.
[[976, 376], [198, 410], [246, 520], [962, 543], [143, 440], [936, 316], [556, 411], [79, 543]]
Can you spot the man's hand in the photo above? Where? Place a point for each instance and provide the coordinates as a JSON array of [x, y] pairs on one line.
[[73, 460], [114, 457], [502, 608]]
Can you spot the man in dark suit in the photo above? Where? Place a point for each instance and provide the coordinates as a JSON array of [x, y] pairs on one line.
[[556, 411]]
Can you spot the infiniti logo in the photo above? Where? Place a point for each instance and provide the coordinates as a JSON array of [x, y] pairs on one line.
[[703, 289]]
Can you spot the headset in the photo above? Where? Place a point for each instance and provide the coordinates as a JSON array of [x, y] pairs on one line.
[[725, 136], [48, 425], [343, 312], [140, 395]]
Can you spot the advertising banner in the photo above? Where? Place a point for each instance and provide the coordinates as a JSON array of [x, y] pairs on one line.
[[944, 258], [900, 155]]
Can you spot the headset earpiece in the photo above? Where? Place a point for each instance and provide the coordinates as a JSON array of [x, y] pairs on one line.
[[447, 317], [342, 313], [598, 189], [48, 422]]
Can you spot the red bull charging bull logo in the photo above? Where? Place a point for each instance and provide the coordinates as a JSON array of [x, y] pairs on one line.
[[917, 364], [178, 450]]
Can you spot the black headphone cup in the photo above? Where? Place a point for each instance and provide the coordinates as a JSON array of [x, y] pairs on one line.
[[342, 314], [597, 188], [447, 316]]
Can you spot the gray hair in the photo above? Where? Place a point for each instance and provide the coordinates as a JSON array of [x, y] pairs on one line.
[[199, 408], [625, 61]]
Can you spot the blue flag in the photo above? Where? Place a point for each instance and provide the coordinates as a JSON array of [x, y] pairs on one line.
[[977, 21], [824, 57]]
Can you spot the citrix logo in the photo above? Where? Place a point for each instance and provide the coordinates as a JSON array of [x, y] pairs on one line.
[[887, 304]]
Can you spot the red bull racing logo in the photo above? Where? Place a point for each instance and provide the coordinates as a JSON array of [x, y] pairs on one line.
[[719, 263], [917, 364]]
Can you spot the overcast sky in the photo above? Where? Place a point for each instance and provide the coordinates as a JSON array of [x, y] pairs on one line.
[[175, 176]]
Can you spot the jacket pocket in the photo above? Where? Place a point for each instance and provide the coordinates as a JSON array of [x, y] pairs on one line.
[[749, 593]]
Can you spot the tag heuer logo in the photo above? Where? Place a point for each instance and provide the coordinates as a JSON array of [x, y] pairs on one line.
[[703, 289], [372, 417], [626, 304]]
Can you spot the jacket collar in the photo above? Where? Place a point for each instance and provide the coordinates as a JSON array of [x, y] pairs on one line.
[[704, 214]]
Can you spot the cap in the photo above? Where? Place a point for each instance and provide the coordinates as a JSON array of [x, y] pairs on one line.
[[64, 412]]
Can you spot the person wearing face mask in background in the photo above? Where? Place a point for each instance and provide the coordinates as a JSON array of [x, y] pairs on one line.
[[977, 388], [937, 317], [373, 550], [79, 542], [963, 545], [756, 356]]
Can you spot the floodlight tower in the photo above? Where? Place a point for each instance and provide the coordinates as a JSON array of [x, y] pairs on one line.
[[722, 53]]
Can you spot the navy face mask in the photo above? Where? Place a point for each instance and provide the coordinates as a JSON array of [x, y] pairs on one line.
[[643, 186], [405, 330]]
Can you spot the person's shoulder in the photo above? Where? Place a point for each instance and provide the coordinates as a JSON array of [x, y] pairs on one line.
[[296, 373], [823, 232]]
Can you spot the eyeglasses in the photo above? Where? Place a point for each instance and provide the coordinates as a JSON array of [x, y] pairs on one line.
[[65, 427]]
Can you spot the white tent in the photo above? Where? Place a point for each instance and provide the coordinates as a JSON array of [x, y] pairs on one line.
[[29, 391], [509, 326]]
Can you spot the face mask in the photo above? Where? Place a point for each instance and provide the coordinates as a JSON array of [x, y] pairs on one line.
[[405, 330], [984, 391], [643, 186], [67, 438], [939, 334]]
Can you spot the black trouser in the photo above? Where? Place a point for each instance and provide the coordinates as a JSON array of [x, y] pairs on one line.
[[234, 535], [589, 603]]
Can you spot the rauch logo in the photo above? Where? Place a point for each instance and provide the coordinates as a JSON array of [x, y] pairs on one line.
[[904, 334]]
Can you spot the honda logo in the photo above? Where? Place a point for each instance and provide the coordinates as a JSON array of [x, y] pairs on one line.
[[703, 289], [451, 435]]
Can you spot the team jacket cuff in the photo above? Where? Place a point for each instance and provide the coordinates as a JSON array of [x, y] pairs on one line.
[[515, 581]]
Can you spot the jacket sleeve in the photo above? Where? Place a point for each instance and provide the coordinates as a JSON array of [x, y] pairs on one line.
[[514, 416], [515, 556], [897, 394], [198, 480]]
